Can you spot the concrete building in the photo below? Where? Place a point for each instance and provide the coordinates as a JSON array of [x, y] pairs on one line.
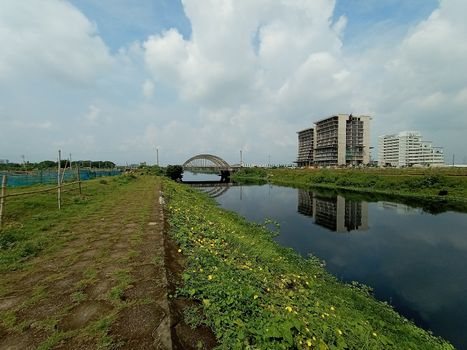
[[342, 139], [407, 148], [305, 147], [4, 161]]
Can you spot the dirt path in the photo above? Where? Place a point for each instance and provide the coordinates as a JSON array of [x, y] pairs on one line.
[[106, 288]]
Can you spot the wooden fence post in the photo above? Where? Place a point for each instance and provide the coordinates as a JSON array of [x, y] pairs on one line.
[[59, 184], [79, 182], [2, 200]]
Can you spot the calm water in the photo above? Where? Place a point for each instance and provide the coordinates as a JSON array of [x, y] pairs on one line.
[[412, 259]]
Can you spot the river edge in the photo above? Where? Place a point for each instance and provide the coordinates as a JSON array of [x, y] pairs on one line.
[[432, 203], [253, 292]]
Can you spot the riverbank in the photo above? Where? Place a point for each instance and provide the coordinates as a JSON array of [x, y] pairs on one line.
[[447, 187], [254, 293]]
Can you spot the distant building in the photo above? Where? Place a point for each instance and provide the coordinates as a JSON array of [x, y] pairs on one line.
[[305, 147], [4, 161], [338, 140], [407, 148]]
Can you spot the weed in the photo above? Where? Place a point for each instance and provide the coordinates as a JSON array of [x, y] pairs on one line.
[[123, 278], [8, 318], [78, 296], [158, 260], [53, 340], [193, 316]]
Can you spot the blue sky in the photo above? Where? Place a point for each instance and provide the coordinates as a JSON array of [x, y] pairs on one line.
[[367, 16], [122, 21], [114, 79]]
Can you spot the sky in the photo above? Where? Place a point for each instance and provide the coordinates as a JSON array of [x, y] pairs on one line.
[[116, 79]]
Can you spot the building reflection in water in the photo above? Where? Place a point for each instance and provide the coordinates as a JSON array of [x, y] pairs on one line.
[[334, 213], [400, 208]]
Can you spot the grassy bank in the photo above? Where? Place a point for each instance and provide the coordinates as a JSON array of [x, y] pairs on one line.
[[255, 294], [32, 224], [88, 277], [444, 185]]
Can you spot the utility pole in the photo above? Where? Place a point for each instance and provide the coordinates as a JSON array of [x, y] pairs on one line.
[[157, 156], [453, 156], [24, 163], [269, 160], [241, 158]]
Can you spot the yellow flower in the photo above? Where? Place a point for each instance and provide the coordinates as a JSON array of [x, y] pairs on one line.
[[308, 342], [339, 332], [255, 297], [179, 250], [210, 277], [201, 270], [374, 334], [288, 308], [332, 308]]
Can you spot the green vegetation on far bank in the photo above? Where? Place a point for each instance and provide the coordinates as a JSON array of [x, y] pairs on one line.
[[432, 184], [255, 294]]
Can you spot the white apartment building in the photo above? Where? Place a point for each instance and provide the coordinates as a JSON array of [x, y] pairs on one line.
[[407, 148]]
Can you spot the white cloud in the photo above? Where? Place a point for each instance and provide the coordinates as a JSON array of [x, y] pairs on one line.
[[148, 88], [52, 40], [22, 124], [254, 69], [419, 83], [92, 115]]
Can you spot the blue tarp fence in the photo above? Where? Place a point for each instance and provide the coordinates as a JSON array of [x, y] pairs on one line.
[[16, 179]]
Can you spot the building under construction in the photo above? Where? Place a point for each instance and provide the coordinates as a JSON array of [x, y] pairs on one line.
[[305, 147], [338, 140]]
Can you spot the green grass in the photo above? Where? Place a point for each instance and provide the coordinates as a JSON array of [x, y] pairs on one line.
[[123, 279], [33, 224], [257, 295]]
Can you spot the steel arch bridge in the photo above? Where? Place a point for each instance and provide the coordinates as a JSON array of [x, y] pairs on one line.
[[206, 162]]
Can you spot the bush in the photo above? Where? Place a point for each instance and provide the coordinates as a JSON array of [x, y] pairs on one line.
[[175, 172], [252, 172]]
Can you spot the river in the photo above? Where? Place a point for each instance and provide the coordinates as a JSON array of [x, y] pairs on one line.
[[412, 259]]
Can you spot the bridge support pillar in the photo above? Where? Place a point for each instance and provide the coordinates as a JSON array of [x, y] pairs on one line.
[[225, 175]]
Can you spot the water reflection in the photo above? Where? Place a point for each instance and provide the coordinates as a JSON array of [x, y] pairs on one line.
[[400, 208], [334, 212], [213, 189]]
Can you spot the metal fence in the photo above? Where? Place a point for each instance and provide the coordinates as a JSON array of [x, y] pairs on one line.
[[17, 179]]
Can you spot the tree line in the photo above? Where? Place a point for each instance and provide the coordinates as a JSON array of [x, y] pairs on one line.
[[50, 164]]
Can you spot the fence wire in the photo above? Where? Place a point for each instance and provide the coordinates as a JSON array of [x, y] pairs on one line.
[[17, 179]]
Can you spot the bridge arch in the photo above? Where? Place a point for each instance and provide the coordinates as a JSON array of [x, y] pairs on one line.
[[206, 161]]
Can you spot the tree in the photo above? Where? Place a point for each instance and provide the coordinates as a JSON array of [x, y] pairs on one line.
[[175, 172]]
